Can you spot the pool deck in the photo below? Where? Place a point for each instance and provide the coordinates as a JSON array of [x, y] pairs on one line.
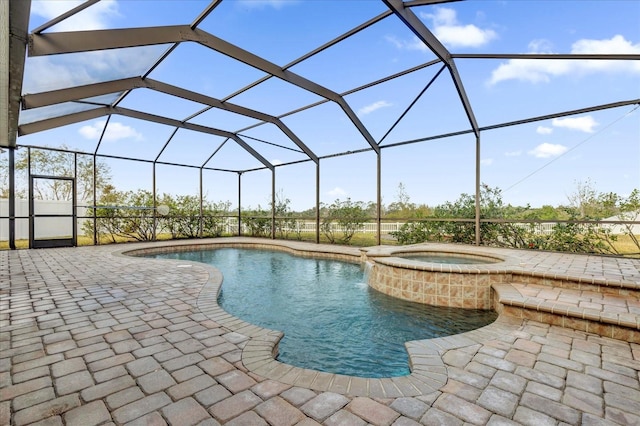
[[89, 336]]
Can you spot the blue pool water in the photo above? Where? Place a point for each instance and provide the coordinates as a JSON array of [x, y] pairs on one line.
[[332, 321]]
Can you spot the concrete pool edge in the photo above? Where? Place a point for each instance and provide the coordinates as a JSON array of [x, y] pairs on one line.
[[428, 371], [472, 285], [259, 345]]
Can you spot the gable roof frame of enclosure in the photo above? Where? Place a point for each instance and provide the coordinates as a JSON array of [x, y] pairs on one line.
[[14, 37]]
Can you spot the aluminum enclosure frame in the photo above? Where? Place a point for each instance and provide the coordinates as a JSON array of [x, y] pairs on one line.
[[41, 43]]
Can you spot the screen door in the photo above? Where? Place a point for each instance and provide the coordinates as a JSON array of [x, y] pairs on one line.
[[52, 213]]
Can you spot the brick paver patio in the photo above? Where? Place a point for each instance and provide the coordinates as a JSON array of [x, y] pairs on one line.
[[89, 337]]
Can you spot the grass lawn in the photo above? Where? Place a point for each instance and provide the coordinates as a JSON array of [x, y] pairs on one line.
[[624, 244]]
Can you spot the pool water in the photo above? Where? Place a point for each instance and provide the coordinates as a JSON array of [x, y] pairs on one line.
[[332, 321]]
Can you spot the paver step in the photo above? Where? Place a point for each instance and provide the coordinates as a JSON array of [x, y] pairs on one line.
[[616, 316]]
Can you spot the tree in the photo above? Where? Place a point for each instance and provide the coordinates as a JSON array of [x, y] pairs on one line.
[[545, 212], [284, 221], [630, 211], [491, 207], [402, 207], [589, 204], [58, 163]]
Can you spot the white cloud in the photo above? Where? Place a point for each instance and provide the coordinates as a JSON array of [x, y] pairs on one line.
[[414, 44], [115, 131], [92, 131], [337, 192], [547, 150], [542, 70], [544, 130], [276, 162], [486, 161], [95, 17], [260, 4], [513, 153], [583, 124], [616, 44], [453, 34], [372, 107]]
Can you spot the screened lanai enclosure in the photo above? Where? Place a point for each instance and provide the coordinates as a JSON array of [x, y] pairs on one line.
[[119, 108]]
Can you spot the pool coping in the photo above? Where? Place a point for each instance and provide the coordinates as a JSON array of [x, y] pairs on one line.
[[259, 349], [507, 264]]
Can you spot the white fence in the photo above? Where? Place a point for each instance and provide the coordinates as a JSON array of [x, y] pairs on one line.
[[51, 227], [45, 227], [309, 226]]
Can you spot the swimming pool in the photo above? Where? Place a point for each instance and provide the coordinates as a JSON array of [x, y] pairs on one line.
[[332, 321]]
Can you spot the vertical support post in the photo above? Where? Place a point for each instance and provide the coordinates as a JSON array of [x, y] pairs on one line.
[[95, 201], [239, 204], [74, 198], [477, 222], [6, 30], [318, 202], [12, 199], [379, 198], [31, 206], [95, 181], [201, 222], [153, 212], [273, 204]]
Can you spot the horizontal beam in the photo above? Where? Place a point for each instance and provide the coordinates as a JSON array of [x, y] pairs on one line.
[[237, 109], [76, 93], [97, 89], [563, 114], [87, 41], [194, 127], [414, 3], [120, 157], [520, 122], [64, 120], [91, 40], [78, 117], [566, 56]]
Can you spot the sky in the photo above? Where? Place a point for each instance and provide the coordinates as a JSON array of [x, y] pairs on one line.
[[534, 164]]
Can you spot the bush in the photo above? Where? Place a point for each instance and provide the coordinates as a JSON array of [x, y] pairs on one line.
[[258, 222], [184, 220], [127, 215], [284, 221], [349, 217], [130, 215], [418, 232], [578, 238]]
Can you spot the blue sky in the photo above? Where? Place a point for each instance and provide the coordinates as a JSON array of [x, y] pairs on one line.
[[538, 163]]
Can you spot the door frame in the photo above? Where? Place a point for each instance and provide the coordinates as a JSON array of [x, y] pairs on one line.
[[52, 242]]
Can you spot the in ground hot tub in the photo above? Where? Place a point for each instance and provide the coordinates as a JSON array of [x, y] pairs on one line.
[[447, 258], [437, 274]]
